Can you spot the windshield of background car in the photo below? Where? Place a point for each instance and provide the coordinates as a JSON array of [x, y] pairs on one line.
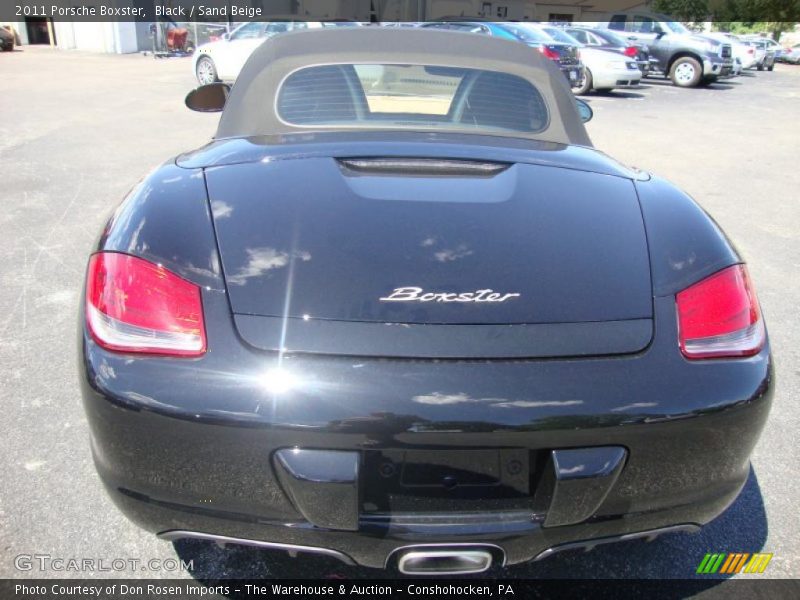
[[677, 27], [412, 97], [248, 31]]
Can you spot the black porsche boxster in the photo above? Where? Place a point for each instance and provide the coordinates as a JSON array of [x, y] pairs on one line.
[[401, 312]]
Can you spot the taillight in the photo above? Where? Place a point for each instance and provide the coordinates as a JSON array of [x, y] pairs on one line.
[[719, 316], [750, 51], [133, 305], [551, 54], [631, 51]]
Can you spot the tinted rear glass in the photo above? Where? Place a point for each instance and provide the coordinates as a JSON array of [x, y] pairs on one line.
[[382, 96]]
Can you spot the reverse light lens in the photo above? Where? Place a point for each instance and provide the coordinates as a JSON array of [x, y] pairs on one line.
[[720, 317], [133, 305]]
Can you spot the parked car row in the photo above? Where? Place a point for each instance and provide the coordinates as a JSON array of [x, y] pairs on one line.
[[593, 57], [790, 55]]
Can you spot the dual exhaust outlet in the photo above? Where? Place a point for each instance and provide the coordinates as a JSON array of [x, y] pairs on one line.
[[454, 560]]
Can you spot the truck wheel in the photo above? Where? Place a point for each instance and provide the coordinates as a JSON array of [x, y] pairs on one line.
[[586, 85], [686, 72], [771, 67], [760, 66]]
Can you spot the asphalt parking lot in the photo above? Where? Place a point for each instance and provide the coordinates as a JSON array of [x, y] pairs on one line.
[[78, 130]]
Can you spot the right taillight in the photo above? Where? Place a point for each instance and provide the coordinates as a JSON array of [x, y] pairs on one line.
[[551, 54], [133, 305], [631, 51], [720, 317]]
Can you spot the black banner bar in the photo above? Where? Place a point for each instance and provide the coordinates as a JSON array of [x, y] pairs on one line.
[[372, 11], [410, 589]]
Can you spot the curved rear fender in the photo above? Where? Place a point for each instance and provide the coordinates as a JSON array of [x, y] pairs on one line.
[[166, 219], [685, 243]]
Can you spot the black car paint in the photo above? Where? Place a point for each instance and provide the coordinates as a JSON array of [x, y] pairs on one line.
[[188, 444], [273, 213]]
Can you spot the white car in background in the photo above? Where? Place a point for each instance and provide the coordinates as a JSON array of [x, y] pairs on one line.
[[223, 59], [603, 70]]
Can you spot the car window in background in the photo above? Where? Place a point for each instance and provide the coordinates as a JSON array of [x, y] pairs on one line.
[[442, 25], [581, 36], [611, 38], [248, 31], [677, 27], [284, 26], [617, 23], [381, 96], [642, 24], [281, 27], [527, 34], [560, 35], [468, 27]]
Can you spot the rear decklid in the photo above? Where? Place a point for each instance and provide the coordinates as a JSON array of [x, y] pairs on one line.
[[394, 257]]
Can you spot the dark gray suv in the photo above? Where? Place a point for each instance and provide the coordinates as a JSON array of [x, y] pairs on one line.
[[688, 59]]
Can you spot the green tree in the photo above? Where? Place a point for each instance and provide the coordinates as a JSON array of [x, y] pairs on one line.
[[755, 16], [683, 10]]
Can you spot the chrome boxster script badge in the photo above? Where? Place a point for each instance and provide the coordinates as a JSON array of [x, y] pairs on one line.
[[417, 294]]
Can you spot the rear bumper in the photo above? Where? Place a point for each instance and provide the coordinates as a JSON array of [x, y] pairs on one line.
[[190, 445], [617, 78], [382, 551], [573, 73]]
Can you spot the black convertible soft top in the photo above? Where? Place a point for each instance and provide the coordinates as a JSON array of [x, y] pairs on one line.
[[250, 109]]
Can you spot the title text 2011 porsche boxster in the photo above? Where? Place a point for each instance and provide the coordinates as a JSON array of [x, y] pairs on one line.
[[400, 312]]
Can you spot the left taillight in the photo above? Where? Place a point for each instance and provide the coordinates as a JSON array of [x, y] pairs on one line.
[[720, 317], [133, 305]]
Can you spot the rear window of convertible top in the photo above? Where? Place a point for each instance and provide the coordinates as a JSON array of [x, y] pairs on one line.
[[400, 96]]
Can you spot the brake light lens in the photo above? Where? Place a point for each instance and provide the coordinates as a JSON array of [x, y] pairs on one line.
[[720, 317], [551, 54], [133, 305], [631, 51]]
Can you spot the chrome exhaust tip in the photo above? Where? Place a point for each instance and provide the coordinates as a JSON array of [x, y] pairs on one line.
[[444, 562]]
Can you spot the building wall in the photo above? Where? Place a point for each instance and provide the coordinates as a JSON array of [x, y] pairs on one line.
[[116, 38]]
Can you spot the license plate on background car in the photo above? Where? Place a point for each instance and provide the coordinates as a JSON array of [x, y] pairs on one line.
[[573, 75]]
